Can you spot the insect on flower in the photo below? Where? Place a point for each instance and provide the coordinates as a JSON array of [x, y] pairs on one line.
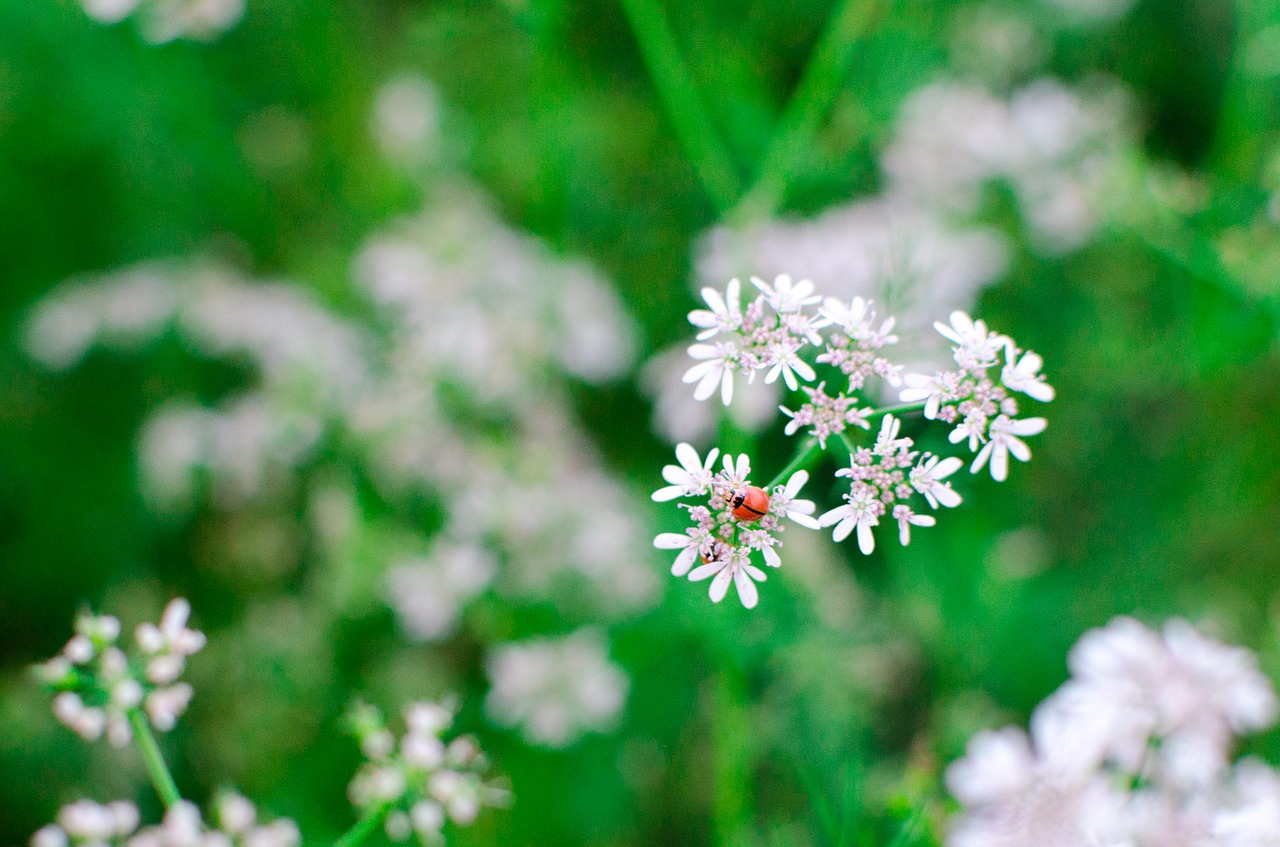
[[749, 503]]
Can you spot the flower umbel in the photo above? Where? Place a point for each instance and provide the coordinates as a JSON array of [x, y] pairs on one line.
[[422, 780], [98, 685], [727, 528]]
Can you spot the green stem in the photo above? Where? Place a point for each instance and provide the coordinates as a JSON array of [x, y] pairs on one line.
[[731, 739], [898, 407], [808, 107], [679, 95], [151, 755], [810, 450], [364, 827]]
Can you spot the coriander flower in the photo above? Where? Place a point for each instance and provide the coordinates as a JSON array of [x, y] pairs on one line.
[[783, 502], [784, 296], [934, 390], [862, 511], [788, 364], [691, 543], [906, 519], [977, 345], [423, 780], [736, 472], [170, 643], [714, 368], [927, 477], [725, 314], [734, 568], [1025, 376], [556, 689], [1004, 440], [690, 477], [97, 685]]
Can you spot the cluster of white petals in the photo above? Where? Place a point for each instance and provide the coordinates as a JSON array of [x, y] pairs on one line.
[[883, 478], [426, 781], [99, 687], [556, 689], [767, 335], [89, 824], [983, 409], [1134, 749], [720, 541], [453, 336]]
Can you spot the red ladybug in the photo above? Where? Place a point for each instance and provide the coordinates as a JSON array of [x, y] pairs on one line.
[[749, 504]]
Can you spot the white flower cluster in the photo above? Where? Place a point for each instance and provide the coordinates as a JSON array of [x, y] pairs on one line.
[[88, 824], [1134, 749], [459, 336], [738, 518], [769, 334], [163, 21], [1053, 145], [555, 689], [419, 780], [99, 687], [883, 477], [982, 409]]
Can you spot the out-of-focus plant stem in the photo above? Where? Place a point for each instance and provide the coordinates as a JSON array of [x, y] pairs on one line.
[[154, 759], [679, 95], [809, 450], [808, 107], [1251, 101], [364, 827], [731, 737]]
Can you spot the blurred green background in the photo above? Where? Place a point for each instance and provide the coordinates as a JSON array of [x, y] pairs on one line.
[[831, 710]]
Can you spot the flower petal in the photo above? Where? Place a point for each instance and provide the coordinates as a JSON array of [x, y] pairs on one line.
[[747, 592]]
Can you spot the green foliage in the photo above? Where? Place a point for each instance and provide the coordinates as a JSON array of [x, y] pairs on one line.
[[620, 133]]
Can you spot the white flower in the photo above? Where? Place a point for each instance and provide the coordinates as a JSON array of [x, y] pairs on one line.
[[784, 296], [714, 368], [788, 363], [887, 441], [932, 389], [1004, 433], [172, 635], [975, 342], [906, 518], [862, 511], [691, 477], [735, 473], [783, 502], [555, 689], [725, 314], [1025, 375], [688, 544], [927, 477], [733, 568], [849, 317]]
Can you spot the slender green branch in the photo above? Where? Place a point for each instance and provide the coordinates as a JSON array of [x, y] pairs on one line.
[[809, 106], [151, 755], [895, 409], [364, 827], [679, 95], [811, 449], [808, 451], [732, 758]]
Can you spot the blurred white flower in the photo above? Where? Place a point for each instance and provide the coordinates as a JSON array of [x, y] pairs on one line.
[[1132, 750], [429, 593], [555, 689], [405, 120]]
